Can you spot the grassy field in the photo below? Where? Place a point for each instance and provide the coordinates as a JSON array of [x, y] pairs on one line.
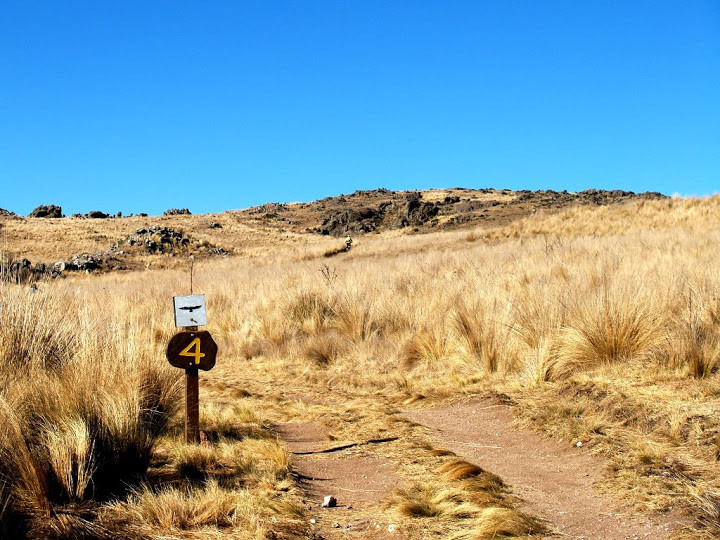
[[601, 323]]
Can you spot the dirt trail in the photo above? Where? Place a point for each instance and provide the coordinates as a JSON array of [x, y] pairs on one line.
[[554, 480], [354, 477]]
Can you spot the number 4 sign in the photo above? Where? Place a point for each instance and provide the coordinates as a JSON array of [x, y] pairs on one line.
[[192, 350], [197, 355]]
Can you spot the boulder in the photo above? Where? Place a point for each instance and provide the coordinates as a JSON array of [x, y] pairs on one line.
[[47, 211], [97, 214], [84, 262], [20, 271], [177, 212]]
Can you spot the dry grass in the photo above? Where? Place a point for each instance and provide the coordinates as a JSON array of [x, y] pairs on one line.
[[481, 517], [602, 323]]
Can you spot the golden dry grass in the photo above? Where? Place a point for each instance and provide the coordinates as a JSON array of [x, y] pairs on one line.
[[600, 322]]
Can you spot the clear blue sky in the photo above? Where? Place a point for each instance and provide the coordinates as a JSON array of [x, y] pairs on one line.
[[141, 106]]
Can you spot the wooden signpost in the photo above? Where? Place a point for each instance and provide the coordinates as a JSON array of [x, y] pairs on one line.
[[191, 350]]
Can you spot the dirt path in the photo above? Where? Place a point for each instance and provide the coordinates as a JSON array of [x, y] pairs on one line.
[[355, 477], [554, 480]]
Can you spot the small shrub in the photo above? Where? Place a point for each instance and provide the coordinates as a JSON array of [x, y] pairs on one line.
[[606, 331], [324, 349]]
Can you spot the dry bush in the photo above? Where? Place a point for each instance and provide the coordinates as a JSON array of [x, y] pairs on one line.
[[324, 349], [80, 426], [606, 330], [481, 337], [495, 522], [32, 331], [694, 340], [355, 318], [480, 518]]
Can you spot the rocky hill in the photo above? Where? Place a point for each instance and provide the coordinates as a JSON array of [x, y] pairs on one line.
[[112, 242], [379, 210]]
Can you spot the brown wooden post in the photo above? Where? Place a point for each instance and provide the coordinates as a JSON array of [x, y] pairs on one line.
[[192, 401], [192, 406]]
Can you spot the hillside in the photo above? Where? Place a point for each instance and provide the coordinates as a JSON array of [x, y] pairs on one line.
[[48, 247], [423, 378]]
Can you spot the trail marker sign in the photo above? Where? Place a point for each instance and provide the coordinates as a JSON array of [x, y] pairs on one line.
[[190, 310], [192, 350]]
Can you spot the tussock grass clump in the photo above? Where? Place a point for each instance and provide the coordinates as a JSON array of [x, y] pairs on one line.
[[458, 470], [184, 509], [324, 349], [309, 308], [481, 338], [429, 501], [213, 507], [606, 330], [32, 332], [694, 340], [238, 421], [428, 347], [79, 426], [498, 522], [481, 518]]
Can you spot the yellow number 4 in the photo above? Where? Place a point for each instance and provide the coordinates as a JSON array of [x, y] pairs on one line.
[[197, 355]]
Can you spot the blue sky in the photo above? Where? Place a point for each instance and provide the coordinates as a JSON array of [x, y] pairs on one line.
[[143, 106]]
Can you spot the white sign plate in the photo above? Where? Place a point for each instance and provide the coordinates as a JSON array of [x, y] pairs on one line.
[[190, 310]]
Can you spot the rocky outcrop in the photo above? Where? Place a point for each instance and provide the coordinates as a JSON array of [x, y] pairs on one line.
[[351, 221], [268, 208], [158, 240], [81, 263], [407, 212], [177, 212], [369, 211], [164, 240], [413, 212], [4, 212], [93, 214], [47, 211], [23, 271]]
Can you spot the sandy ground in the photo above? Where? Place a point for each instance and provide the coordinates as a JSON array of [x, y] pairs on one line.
[[555, 480], [355, 479]]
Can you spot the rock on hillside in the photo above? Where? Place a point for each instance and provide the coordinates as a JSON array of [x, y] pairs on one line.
[[23, 271], [47, 211], [4, 212], [157, 240], [177, 212]]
